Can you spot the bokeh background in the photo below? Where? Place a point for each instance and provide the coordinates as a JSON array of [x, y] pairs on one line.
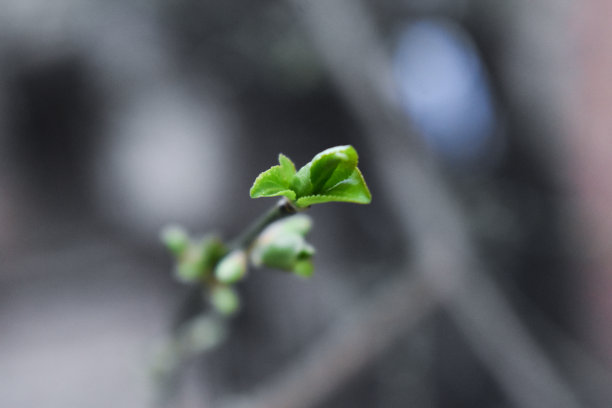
[[480, 275]]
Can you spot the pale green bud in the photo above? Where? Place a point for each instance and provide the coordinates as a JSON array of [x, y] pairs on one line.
[[175, 238], [303, 268], [282, 246], [281, 253], [225, 300], [232, 267]]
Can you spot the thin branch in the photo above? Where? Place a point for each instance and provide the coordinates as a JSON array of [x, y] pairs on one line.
[[193, 300], [282, 209], [192, 318]]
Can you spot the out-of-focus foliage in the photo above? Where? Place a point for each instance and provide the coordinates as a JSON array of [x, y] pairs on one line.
[[282, 246]]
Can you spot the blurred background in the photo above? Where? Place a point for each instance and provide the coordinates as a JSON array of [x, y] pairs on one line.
[[480, 275]]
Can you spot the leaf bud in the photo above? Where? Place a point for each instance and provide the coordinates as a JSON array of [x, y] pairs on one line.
[[232, 267]]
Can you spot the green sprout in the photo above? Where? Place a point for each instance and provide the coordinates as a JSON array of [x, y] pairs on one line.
[[331, 175], [277, 241], [282, 245]]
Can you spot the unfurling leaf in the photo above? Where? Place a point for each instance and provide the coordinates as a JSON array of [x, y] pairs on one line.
[[331, 167], [352, 190], [195, 258], [331, 175], [275, 181]]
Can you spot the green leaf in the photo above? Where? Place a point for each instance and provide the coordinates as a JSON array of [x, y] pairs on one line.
[[332, 166], [299, 224], [331, 175], [275, 181], [225, 300], [287, 168], [351, 190], [301, 183], [197, 260], [270, 183]]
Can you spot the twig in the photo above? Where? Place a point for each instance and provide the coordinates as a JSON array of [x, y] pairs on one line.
[[282, 209], [183, 342], [193, 299]]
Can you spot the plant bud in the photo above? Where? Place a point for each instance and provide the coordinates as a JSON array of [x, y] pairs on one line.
[[282, 245], [175, 238], [225, 300], [188, 270], [232, 267], [299, 224]]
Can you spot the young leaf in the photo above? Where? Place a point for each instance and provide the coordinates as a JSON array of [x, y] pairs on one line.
[[287, 168], [275, 181], [331, 175], [332, 166], [301, 182], [270, 183]]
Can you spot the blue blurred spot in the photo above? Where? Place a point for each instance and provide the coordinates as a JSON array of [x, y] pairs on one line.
[[444, 89]]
